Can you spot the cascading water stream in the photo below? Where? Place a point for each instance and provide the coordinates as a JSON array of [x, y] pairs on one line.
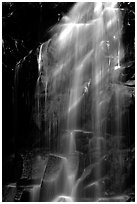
[[100, 66], [88, 47]]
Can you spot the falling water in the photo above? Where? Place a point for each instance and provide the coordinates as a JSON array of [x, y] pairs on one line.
[[88, 48]]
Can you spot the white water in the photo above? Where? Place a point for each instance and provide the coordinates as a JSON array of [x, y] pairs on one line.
[[89, 49]]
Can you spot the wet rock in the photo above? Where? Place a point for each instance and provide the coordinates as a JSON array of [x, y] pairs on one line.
[[121, 168], [81, 165], [49, 188], [28, 186], [28, 190], [31, 194], [82, 140], [12, 168], [121, 198], [18, 195], [59, 175], [9, 192], [97, 188], [91, 179], [29, 182], [94, 156], [131, 193], [97, 144]]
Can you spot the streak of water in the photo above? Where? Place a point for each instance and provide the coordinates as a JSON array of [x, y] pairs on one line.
[[63, 198], [89, 50]]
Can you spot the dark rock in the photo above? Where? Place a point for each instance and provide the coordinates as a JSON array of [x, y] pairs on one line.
[[57, 176], [28, 186], [92, 175], [82, 138], [12, 168], [9, 192], [122, 165], [97, 144], [49, 187], [97, 188], [121, 198], [29, 182], [31, 194], [18, 195]]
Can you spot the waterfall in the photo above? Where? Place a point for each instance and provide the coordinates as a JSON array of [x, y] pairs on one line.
[[88, 51]]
